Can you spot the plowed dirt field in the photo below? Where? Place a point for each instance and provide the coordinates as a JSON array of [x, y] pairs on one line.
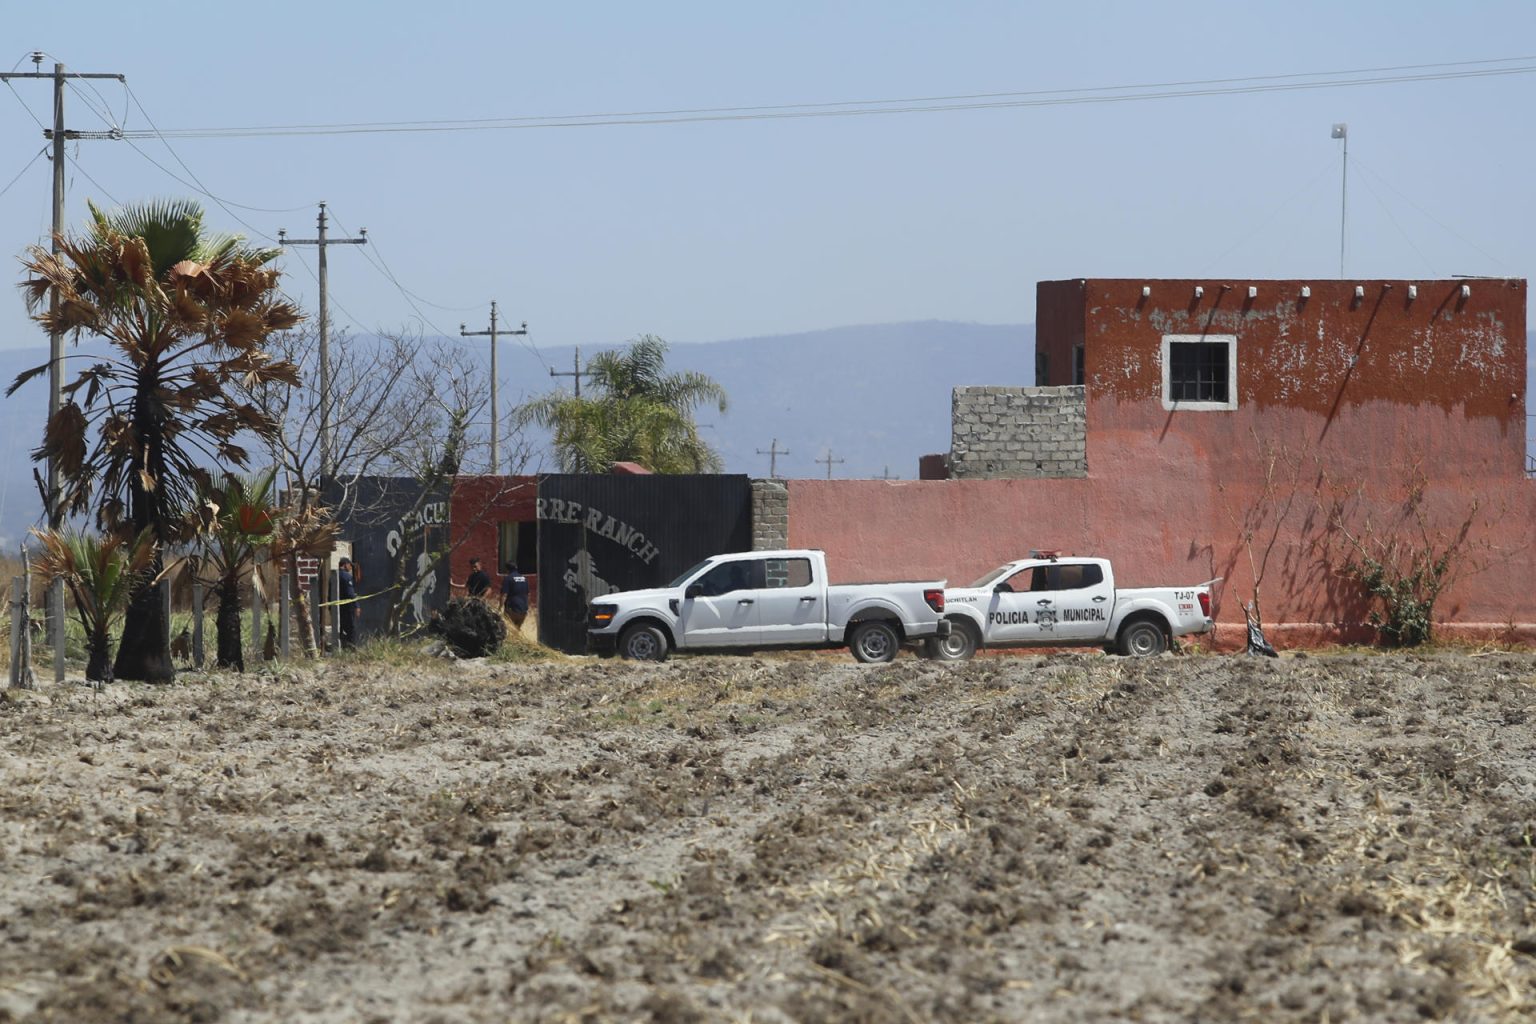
[[1342, 837]]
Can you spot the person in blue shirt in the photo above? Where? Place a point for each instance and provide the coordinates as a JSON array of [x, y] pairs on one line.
[[514, 595], [346, 593], [479, 582]]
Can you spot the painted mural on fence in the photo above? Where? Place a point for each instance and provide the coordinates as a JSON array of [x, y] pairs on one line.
[[599, 534]]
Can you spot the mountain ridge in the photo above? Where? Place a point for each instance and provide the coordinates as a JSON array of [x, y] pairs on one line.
[[877, 396]]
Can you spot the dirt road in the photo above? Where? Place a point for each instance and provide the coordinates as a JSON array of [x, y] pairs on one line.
[[1063, 838]]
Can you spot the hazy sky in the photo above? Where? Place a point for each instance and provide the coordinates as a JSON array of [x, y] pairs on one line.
[[713, 229]]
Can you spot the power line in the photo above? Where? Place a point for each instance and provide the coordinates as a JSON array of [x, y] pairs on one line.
[[75, 163], [926, 104], [411, 298], [35, 158], [344, 310], [200, 187], [390, 276]]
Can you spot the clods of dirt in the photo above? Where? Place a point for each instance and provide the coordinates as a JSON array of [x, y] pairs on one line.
[[1063, 838]]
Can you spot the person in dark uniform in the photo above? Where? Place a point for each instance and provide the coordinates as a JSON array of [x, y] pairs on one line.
[[346, 594], [514, 595], [479, 583]]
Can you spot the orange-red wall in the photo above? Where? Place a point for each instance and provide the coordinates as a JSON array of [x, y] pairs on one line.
[[479, 505], [1376, 415]]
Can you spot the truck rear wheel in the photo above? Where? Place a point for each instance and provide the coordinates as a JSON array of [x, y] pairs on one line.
[[643, 642], [1142, 639], [960, 645], [873, 642]]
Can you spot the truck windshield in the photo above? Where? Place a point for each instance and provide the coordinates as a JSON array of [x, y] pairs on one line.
[[679, 581], [993, 576]]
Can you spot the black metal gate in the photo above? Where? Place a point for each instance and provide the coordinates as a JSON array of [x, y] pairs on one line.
[[598, 534]]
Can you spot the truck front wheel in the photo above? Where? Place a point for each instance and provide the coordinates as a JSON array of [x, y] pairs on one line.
[[960, 645], [643, 642], [873, 642], [1142, 639]]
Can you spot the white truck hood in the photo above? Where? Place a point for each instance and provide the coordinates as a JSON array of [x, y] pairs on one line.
[[629, 598]]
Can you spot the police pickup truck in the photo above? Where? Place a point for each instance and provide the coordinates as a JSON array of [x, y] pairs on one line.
[[1049, 601], [760, 599]]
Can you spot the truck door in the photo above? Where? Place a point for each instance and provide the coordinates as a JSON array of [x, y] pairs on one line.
[[791, 603], [725, 612], [1011, 612], [1074, 601]]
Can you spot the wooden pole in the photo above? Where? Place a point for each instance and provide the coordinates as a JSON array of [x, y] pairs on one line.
[[284, 616]]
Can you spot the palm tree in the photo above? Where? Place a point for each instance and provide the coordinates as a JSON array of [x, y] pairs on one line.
[[186, 315], [241, 520], [637, 413], [100, 572]]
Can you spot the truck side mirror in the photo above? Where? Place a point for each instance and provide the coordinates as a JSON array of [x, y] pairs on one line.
[[694, 590]]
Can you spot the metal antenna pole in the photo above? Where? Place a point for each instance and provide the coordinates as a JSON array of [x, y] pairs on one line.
[[54, 511], [495, 415], [1341, 131]]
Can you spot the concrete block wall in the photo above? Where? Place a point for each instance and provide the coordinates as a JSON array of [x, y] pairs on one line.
[[770, 515], [1012, 433]]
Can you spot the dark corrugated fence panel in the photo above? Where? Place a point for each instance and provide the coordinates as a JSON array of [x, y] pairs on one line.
[[598, 534], [386, 519]]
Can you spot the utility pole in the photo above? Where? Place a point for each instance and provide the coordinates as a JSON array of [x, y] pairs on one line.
[[325, 335], [495, 421], [575, 371], [55, 337], [829, 460], [321, 241], [773, 452]]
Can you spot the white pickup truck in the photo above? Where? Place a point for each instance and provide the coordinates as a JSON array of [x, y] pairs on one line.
[[1050, 601], [758, 599]]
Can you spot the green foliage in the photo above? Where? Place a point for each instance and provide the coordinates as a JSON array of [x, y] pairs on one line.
[[100, 573], [1407, 595], [634, 412], [1407, 560], [239, 517]]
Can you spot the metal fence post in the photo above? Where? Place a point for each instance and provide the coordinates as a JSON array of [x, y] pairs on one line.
[[20, 629], [197, 625]]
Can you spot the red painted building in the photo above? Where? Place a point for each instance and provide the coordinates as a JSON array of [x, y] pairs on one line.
[[1242, 429], [494, 519]]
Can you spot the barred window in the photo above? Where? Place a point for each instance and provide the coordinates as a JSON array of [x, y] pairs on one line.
[[1199, 371]]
